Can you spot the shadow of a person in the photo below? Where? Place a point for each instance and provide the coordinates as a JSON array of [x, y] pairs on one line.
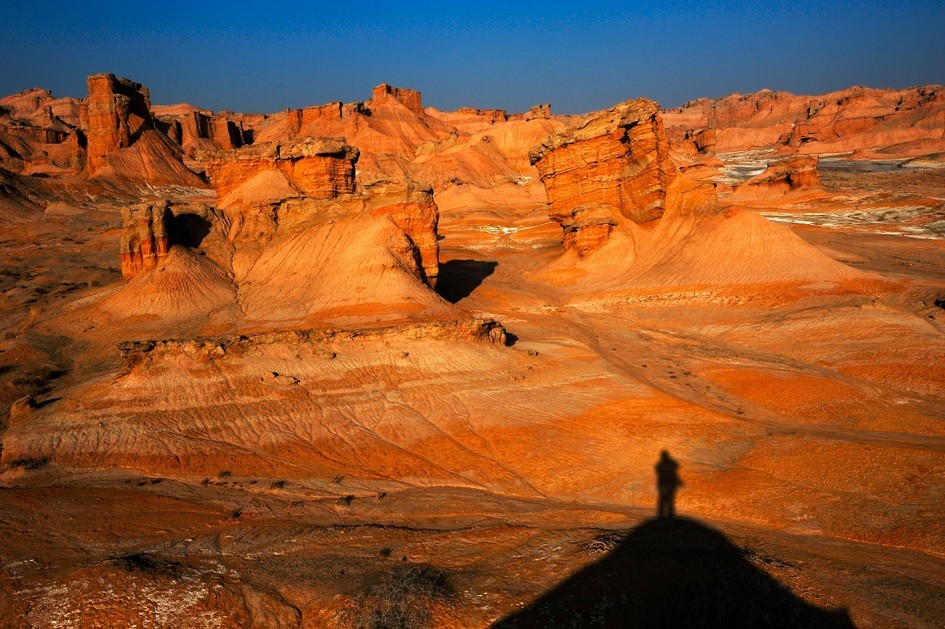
[[667, 482]]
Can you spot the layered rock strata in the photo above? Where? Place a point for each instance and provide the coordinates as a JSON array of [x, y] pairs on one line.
[[615, 161], [115, 113], [411, 206], [144, 239], [788, 175], [408, 98], [902, 123], [321, 168]]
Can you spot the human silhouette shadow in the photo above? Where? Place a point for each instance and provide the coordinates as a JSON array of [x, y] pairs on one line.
[[667, 483], [678, 573]]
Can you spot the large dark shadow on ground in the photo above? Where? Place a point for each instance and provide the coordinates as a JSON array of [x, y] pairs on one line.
[[187, 229], [457, 279], [673, 572]]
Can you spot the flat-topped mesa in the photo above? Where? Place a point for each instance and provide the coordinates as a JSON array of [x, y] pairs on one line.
[[143, 237], [115, 113], [321, 168], [408, 98], [618, 158]]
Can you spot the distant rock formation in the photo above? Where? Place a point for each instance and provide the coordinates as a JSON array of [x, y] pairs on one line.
[[321, 168], [124, 142], [144, 238], [794, 173], [901, 123], [408, 98], [798, 173], [615, 161], [196, 129], [116, 112], [39, 134], [697, 143]]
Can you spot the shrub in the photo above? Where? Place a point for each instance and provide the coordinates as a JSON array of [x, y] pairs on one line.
[[400, 598]]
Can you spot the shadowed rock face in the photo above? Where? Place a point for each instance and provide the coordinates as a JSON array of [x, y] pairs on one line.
[[618, 158], [143, 237]]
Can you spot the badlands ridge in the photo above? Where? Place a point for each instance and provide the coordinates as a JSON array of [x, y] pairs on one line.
[[256, 368]]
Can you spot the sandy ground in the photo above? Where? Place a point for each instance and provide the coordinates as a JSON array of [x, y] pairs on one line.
[[807, 422]]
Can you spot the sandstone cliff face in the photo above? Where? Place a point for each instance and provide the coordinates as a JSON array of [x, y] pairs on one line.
[[124, 141], [197, 129], [406, 97], [412, 208], [115, 113], [321, 168], [616, 159], [39, 134], [144, 238]]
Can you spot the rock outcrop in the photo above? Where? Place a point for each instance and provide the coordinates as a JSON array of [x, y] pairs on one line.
[[612, 161], [321, 168], [903, 123], [124, 141], [144, 239], [39, 134], [412, 208], [795, 173], [197, 129], [115, 113], [408, 98]]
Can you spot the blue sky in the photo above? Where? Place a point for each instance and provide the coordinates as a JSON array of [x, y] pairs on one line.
[[579, 56]]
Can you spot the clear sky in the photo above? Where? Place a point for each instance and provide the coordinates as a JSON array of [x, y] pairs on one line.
[[579, 55]]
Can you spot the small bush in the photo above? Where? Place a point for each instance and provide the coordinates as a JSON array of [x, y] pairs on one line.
[[603, 543], [403, 597]]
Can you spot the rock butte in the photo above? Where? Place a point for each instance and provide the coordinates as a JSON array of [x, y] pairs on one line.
[[257, 368]]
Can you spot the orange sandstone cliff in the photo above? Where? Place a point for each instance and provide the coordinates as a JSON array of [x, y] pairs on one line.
[[616, 160]]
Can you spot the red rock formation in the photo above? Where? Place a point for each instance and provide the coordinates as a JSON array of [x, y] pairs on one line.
[[143, 237], [39, 134], [702, 142], [321, 168], [589, 227], [617, 159], [196, 129], [408, 98], [849, 120], [124, 142], [412, 208], [795, 173], [115, 113]]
